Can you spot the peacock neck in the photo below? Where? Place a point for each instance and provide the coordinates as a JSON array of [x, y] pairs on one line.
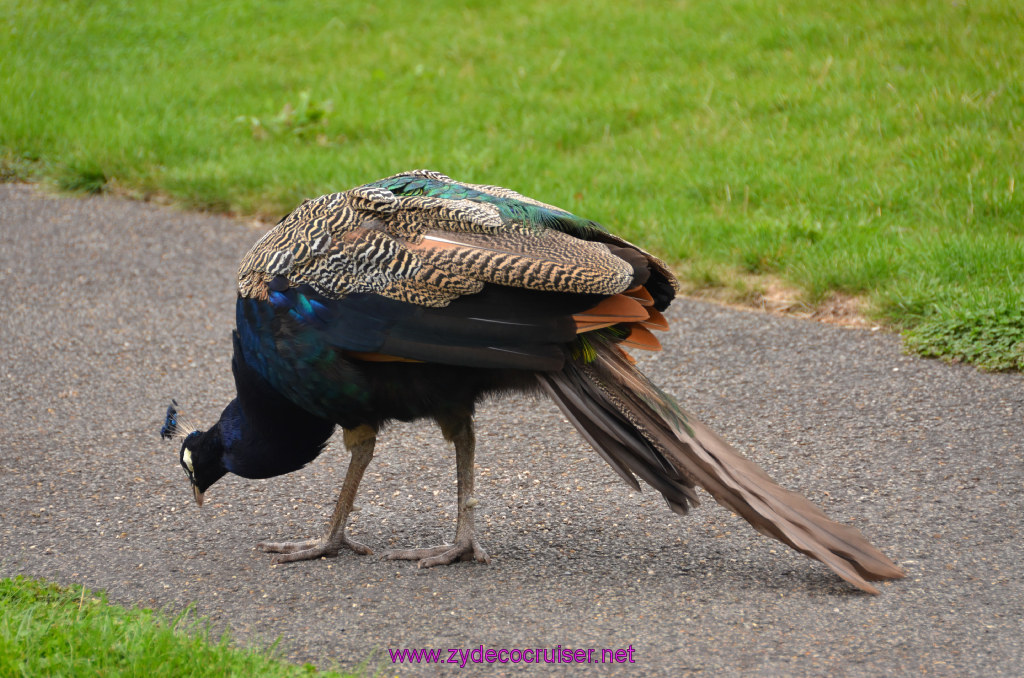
[[268, 434]]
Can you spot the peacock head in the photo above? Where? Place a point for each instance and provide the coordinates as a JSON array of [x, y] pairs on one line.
[[201, 454]]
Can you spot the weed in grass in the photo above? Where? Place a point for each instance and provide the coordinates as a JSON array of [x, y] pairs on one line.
[[992, 338], [306, 120], [17, 167], [82, 176]]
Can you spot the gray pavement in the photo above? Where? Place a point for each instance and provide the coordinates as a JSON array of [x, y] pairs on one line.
[[111, 307]]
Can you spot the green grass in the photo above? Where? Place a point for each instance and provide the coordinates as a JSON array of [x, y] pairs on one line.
[[868, 148], [46, 630]]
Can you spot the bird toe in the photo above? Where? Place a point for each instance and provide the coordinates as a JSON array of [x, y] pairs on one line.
[[288, 546], [311, 549], [445, 554]]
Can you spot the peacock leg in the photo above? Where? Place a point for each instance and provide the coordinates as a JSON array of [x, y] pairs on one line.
[[458, 430], [360, 442]]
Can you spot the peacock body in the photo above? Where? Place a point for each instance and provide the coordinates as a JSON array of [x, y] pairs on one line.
[[414, 297]]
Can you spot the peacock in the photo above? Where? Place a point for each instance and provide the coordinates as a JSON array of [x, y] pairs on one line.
[[416, 296]]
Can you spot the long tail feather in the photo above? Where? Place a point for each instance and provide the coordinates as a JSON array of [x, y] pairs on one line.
[[641, 430]]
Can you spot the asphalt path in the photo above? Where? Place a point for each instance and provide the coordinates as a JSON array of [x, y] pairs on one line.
[[111, 307]]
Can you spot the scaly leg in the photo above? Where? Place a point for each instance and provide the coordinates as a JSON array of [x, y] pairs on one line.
[[360, 442], [458, 430]]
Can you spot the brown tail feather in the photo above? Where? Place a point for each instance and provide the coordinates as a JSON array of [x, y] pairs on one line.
[[639, 429]]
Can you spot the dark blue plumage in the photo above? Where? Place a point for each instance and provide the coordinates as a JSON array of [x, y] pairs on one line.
[[307, 359]]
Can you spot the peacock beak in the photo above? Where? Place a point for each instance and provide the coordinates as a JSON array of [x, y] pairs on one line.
[[198, 495]]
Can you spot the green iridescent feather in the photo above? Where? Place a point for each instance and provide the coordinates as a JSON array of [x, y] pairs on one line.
[[519, 211]]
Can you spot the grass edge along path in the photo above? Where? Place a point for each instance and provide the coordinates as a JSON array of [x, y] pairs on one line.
[[854, 148], [46, 629]]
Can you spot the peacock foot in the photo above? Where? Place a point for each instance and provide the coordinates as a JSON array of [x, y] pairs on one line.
[[291, 551], [446, 554]]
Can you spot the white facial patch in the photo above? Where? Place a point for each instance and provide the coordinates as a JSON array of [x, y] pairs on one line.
[[187, 458]]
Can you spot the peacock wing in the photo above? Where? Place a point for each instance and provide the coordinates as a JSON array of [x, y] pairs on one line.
[[418, 267]]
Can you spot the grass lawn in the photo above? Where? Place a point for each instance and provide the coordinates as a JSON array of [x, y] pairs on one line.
[[46, 630], [872, 149]]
